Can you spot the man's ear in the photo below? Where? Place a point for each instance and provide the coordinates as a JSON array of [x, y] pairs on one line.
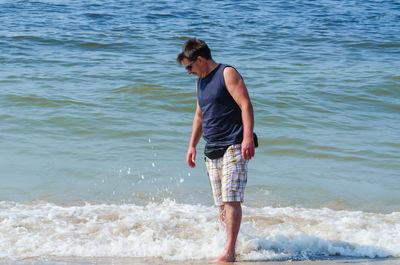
[[200, 59]]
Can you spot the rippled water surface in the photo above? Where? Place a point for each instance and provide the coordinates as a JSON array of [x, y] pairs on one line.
[[95, 118]]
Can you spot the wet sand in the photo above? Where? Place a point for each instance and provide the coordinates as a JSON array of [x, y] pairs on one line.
[[157, 261]]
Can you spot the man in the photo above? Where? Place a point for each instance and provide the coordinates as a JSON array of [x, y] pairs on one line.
[[224, 116]]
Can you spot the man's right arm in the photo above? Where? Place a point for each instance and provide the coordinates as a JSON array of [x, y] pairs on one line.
[[197, 132]]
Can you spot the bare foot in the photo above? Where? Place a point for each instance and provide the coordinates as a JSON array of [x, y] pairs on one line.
[[225, 257]]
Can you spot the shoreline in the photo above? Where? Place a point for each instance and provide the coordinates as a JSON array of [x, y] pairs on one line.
[[156, 261]]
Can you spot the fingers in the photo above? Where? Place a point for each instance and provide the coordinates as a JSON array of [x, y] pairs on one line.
[[190, 162], [191, 158], [247, 152]]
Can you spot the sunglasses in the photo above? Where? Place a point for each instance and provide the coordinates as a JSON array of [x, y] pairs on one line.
[[189, 66]]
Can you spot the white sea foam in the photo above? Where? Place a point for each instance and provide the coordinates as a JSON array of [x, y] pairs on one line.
[[176, 231]]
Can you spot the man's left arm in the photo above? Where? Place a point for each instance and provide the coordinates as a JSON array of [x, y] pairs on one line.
[[236, 87]]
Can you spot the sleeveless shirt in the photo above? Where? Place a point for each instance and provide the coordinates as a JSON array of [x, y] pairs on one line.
[[222, 118]]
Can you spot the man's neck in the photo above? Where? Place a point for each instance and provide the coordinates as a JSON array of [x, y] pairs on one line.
[[211, 65]]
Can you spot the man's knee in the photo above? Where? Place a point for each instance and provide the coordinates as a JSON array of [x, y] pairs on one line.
[[233, 207], [232, 204]]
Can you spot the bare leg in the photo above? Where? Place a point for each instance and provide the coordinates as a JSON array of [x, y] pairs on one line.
[[233, 218], [222, 214]]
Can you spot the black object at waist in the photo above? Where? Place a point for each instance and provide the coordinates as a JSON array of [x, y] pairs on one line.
[[214, 152]]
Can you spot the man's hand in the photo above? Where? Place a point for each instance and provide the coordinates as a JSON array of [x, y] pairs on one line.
[[191, 157], [248, 149]]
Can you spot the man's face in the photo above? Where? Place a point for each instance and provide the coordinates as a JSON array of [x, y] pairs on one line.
[[192, 67]]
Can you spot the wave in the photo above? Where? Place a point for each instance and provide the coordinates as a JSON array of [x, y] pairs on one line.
[[174, 231], [28, 100], [63, 41]]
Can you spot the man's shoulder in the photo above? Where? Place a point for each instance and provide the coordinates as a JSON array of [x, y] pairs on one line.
[[231, 72]]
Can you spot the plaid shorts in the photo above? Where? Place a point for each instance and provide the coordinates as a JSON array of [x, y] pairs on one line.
[[228, 176]]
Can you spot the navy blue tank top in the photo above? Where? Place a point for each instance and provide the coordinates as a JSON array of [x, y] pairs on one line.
[[222, 117]]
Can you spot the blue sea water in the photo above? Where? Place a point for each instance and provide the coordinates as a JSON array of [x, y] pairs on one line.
[[94, 109]]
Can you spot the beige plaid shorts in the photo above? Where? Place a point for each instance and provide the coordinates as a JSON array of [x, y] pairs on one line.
[[228, 176]]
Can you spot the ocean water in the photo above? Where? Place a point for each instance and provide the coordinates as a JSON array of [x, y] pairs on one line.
[[95, 118]]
